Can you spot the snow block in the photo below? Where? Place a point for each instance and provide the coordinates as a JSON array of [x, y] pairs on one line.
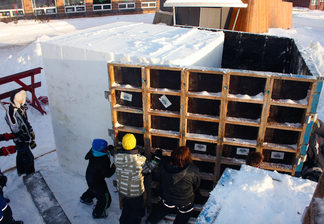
[[44, 199]]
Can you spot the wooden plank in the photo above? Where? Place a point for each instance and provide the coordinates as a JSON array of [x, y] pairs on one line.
[[287, 104], [275, 166], [201, 117], [164, 113], [164, 133], [146, 101], [112, 96], [242, 121], [240, 142], [125, 128], [20, 75], [282, 126], [126, 88], [232, 161], [265, 113], [279, 147], [202, 138], [206, 95], [221, 126], [232, 98], [183, 106], [7, 94], [126, 109], [165, 91]]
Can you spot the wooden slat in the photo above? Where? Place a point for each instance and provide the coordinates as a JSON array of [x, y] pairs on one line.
[[202, 117], [286, 104], [126, 109], [204, 158], [236, 99], [232, 161], [210, 96], [275, 166], [221, 126], [163, 133], [240, 142], [265, 113], [165, 91], [207, 176], [7, 94], [183, 106], [146, 101], [281, 126], [113, 102], [242, 121], [164, 113], [125, 128], [279, 147], [202, 138], [127, 88]]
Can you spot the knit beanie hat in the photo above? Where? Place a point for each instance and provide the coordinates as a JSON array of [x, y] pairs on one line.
[[99, 145], [20, 96], [129, 142]]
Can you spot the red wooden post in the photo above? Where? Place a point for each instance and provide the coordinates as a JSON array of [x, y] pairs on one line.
[[31, 88]]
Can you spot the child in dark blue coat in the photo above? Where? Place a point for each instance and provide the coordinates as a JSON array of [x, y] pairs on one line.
[[98, 169]]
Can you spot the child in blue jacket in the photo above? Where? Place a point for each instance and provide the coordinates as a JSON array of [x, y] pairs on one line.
[[98, 169]]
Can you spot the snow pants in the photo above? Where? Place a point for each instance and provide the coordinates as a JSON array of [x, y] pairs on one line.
[[103, 203], [160, 211], [25, 160], [133, 210]]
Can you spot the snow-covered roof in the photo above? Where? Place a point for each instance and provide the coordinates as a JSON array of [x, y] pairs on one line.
[[205, 3]]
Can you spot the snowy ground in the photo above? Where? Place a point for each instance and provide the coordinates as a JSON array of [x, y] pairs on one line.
[[20, 51]]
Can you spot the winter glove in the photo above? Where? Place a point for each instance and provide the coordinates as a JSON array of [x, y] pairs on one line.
[[9, 136], [148, 167], [157, 156], [8, 150], [32, 145], [111, 149], [32, 134]]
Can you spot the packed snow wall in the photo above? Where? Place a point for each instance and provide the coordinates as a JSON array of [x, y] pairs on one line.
[[76, 74]]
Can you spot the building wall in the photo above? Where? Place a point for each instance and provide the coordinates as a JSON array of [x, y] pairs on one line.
[[60, 6], [308, 4]]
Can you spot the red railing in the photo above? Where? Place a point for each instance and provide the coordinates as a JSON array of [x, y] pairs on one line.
[[31, 88]]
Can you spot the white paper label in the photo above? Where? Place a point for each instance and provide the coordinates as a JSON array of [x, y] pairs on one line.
[[126, 96], [165, 101], [200, 147], [277, 155], [242, 151]]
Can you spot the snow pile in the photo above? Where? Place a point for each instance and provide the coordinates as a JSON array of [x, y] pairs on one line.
[[253, 195]]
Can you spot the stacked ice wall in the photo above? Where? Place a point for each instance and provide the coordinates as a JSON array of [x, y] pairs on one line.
[[77, 77]]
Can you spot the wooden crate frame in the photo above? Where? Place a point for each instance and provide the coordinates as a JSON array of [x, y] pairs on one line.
[[219, 140]]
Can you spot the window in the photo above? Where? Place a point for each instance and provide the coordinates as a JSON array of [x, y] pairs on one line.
[[43, 3], [11, 4], [148, 4], [11, 8], [315, 2], [126, 4], [102, 5], [42, 7], [72, 6]]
